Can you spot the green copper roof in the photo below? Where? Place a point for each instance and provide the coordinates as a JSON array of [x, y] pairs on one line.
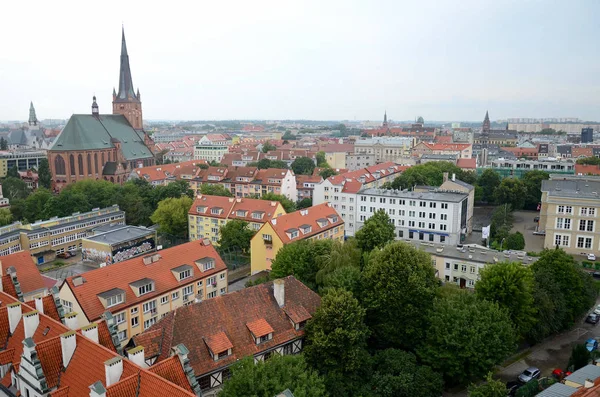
[[87, 132]]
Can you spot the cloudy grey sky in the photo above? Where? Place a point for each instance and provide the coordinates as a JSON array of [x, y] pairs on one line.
[[305, 59]]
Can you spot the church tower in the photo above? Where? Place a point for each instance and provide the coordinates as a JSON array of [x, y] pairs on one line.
[[33, 121], [127, 102], [486, 124], [385, 122]]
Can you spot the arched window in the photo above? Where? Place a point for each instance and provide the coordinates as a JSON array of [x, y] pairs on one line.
[[89, 164], [112, 179], [72, 164], [118, 179], [96, 162], [102, 163], [80, 163], [109, 156], [59, 165]]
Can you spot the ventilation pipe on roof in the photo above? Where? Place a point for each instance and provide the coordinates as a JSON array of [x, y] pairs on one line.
[[39, 305], [68, 343], [279, 291], [14, 315], [31, 321], [113, 369], [136, 356], [71, 320], [90, 331]]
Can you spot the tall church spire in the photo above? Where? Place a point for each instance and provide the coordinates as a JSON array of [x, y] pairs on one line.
[[32, 117], [385, 123], [486, 123], [126, 91]]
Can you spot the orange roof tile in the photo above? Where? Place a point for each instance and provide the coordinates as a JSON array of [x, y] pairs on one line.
[[165, 171], [6, 356], [297, 313], [244, 208], [27, 272], [582, 169], [120, 275], [104, 337], [307, 216], [259, 327], [216, 206], [8, 286], [172, 370], [448, 146], [62, 392], [218, 342], [470, 164], [7, 379], [49, 307]]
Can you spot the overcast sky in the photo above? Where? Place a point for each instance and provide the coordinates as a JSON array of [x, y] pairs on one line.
[[305, 59]]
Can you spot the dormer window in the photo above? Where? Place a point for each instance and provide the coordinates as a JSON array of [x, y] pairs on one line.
[[143, 286], [205, 264], [260, 330], [112, 297], [201, 209], [144, 289], [305, 229], [292, 233], [257, 215], [219, 346], [216, 210], [322, 222], [241, 213], [183, 272], [333, 218]]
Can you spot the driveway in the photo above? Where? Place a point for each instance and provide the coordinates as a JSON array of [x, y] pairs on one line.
[[523, 222]]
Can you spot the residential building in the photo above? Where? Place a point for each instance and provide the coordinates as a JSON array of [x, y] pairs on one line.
[[462, 265], [587, 135], [22, 159], [43, 357], [335, 153], [209, 213], [305, 185], [548, 165], [385, 149], [44, 240], [431, 216], [460, 150], [140, 291], [161, 175], [258, 321], [103, 146], [569, 214], [21, 278], [212, 147], [316, 222], [341, 190], [30, 178], [360, 160], [583, 169], [462, 135], [523, 152], [455, 185], [115, 243]]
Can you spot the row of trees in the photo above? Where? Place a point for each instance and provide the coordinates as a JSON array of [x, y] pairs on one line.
[[387, 327]]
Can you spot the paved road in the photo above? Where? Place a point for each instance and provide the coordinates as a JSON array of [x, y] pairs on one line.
[[523, 222]]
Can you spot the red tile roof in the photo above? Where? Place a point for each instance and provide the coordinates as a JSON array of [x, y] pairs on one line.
[[8, 286], [582, 169], [27, 272], [224, 204], [172, 370], [49, 307], [254, 205], [443, 139], [228, 314], [448, 146], [469, 164], [120, 275], [218, 343], [307, 216], [165, 171], [259, 327], [577, 151], [275, 174]]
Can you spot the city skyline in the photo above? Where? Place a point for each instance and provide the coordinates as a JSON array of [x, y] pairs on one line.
[[312, 61]]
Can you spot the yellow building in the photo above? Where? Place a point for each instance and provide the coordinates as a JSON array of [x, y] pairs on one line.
[[209, 213], [317, 222], [22, 159], [140, 291]]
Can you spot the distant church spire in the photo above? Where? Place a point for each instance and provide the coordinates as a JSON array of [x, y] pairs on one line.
[[95, 111], [126, 92], [32, 117], [385, 122], [486, 123]]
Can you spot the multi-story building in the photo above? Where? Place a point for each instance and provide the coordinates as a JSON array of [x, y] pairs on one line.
[[115, 243], [460, 150], [209, 213], [46, 239], [103, 146], [385, 148], [358, 161], [461, 266], [22, 159], [462, 135], [340, 190], [316, 222], [548, 165], [21, 278], [305, 185], [432, 216], [569, 214], [140, 291], [259, 321], [212, 147], [587, 135], [161, 175]]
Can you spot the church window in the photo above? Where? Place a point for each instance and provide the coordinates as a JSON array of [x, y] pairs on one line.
[[59, 165], [72, 164], [103, 162], [80, 163], [96, 162], [109, 156], [89, 163]]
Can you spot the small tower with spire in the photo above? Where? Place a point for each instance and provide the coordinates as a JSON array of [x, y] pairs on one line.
[[95, 111], [486, 124], [125, 101], [33, 121], [385, 122]]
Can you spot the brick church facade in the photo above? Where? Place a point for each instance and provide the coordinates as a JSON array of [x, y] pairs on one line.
[[103, 146]]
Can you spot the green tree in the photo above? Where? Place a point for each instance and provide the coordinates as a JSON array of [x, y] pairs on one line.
[[327, 172], [376, 232], [288, 136], [271, 377], [268, 147], [14, 188], [515, 241], [213, 189], [488, 181], [13, 172], [491, 388], [264, 164], [5, 217], [345, 277], [303, 166], [35, 205], [236, 234], [336, 341], [99, 194], [502, 222], [529, 389], [399, 287], [3, 144], [138, 209], [304, 203], [580, 357], [44, 175], [511, 191], [533, 184], [510, 284], [397, 374], [340, 255], [300, 259], [68, 202], [288, 205], [466, 337], [585, 161], [171, 215], [431, 174], [322, 160]]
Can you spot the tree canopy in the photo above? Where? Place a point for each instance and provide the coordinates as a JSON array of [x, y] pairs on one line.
[[264, 164], [172, 216], [303, 166], [511, 191], [589, 161], [327, 172], [268, 147], [376, 232], [214, 189], [431, 174], [488, 181], [532, 180], [236, 234], [44, 175], [301, 259], [288, 205], [491, 388]]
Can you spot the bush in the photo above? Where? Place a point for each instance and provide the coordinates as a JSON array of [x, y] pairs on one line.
[[597, 265], [586, 264]]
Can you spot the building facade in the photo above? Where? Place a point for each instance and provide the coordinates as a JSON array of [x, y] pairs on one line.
[[115, 243], [358, 161], [22, 159], [385, 148]]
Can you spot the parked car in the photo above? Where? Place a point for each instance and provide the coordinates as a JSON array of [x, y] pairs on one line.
[[511, 388], [592, 318], [591, 257], [559, 374], [529, 374], [65, 255], [596, 274], [591, 344], [597, 310]]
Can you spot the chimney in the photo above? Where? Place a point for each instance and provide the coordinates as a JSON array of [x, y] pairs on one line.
[[39, 305], [114, 370], [68, 343], [453, 177], [71, 320], [136, 355], [14, 315], [31, 321], [445, 176], [279, 291], [97, 390], [90, 331]]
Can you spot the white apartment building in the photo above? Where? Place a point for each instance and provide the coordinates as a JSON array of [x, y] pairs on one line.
[[385, 148], [432, 216]]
